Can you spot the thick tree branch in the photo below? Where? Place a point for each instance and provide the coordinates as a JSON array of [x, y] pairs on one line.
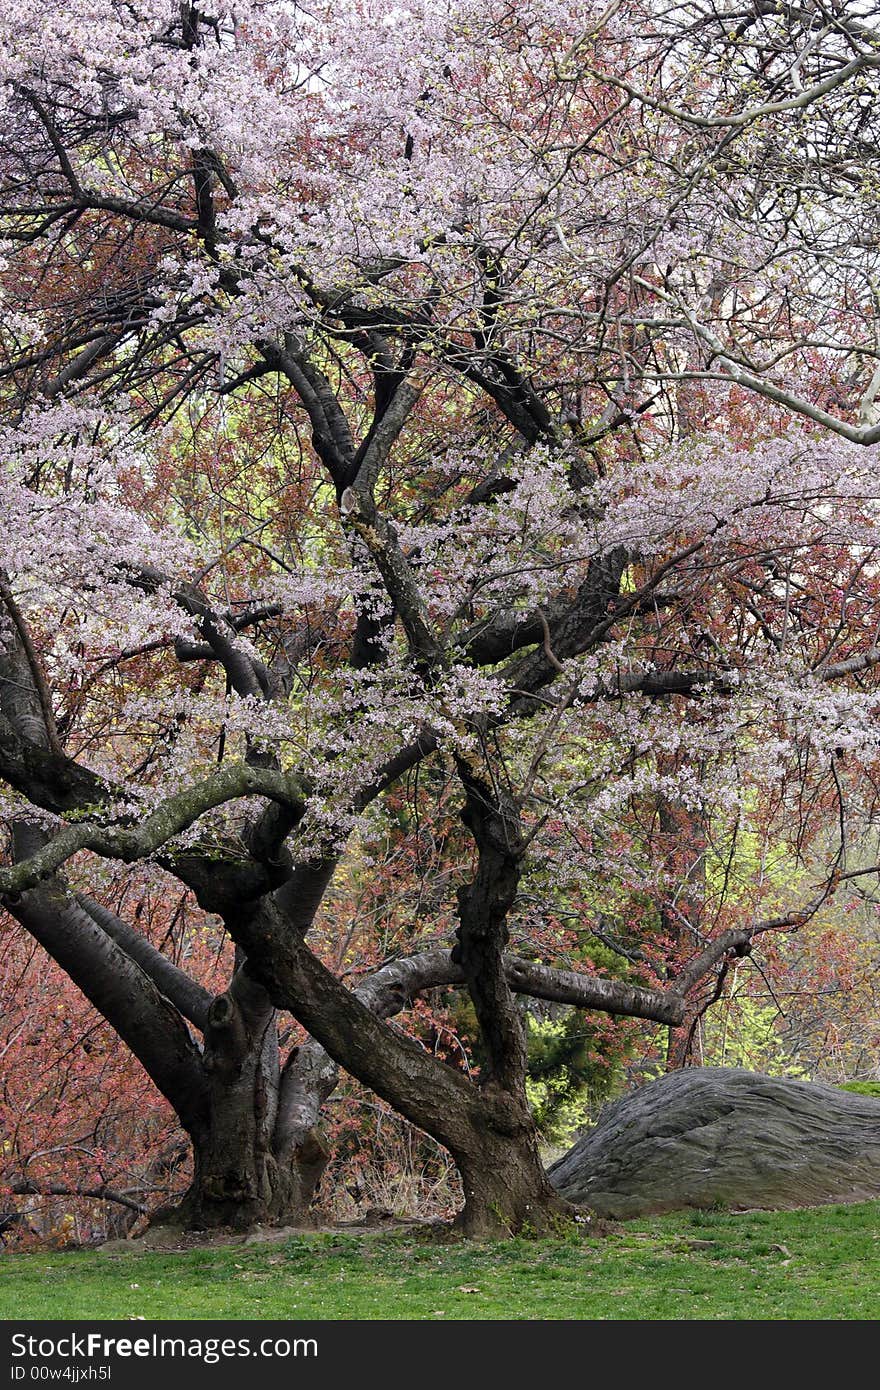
[[383, 437], [361, 515], [121, 991], [173, 815], [484, 905], [190, 998]]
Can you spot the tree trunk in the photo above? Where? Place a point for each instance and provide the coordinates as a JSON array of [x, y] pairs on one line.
[[239, 1180], [506, 1191], [505, 1187], [251, 1165], [488, 1129]]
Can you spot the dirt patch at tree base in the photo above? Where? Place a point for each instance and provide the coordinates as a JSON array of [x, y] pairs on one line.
[[173, 1239]]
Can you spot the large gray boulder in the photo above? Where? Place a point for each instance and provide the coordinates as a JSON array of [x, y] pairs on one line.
[[723, 1137]]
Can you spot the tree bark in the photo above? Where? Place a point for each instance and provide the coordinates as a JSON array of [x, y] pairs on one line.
[[488, 1129], [253, 1165], [240, 1179], [506, 1191], [140, 1014]]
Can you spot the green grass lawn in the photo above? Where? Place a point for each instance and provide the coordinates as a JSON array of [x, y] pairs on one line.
[[822, 1263]]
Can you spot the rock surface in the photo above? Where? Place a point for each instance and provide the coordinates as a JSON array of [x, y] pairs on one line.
[[718, 1136]]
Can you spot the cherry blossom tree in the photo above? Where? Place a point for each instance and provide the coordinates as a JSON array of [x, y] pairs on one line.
[[455, 386]]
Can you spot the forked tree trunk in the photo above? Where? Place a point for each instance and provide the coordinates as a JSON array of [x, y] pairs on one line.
[[487, 1128], [505, 1188], [253, 1163], [489, 1132], [239, 1178]]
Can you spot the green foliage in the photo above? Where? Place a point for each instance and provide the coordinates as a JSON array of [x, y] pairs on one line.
[[575, 1062], [574, 1065], [862, 1088], [743, 1032]]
